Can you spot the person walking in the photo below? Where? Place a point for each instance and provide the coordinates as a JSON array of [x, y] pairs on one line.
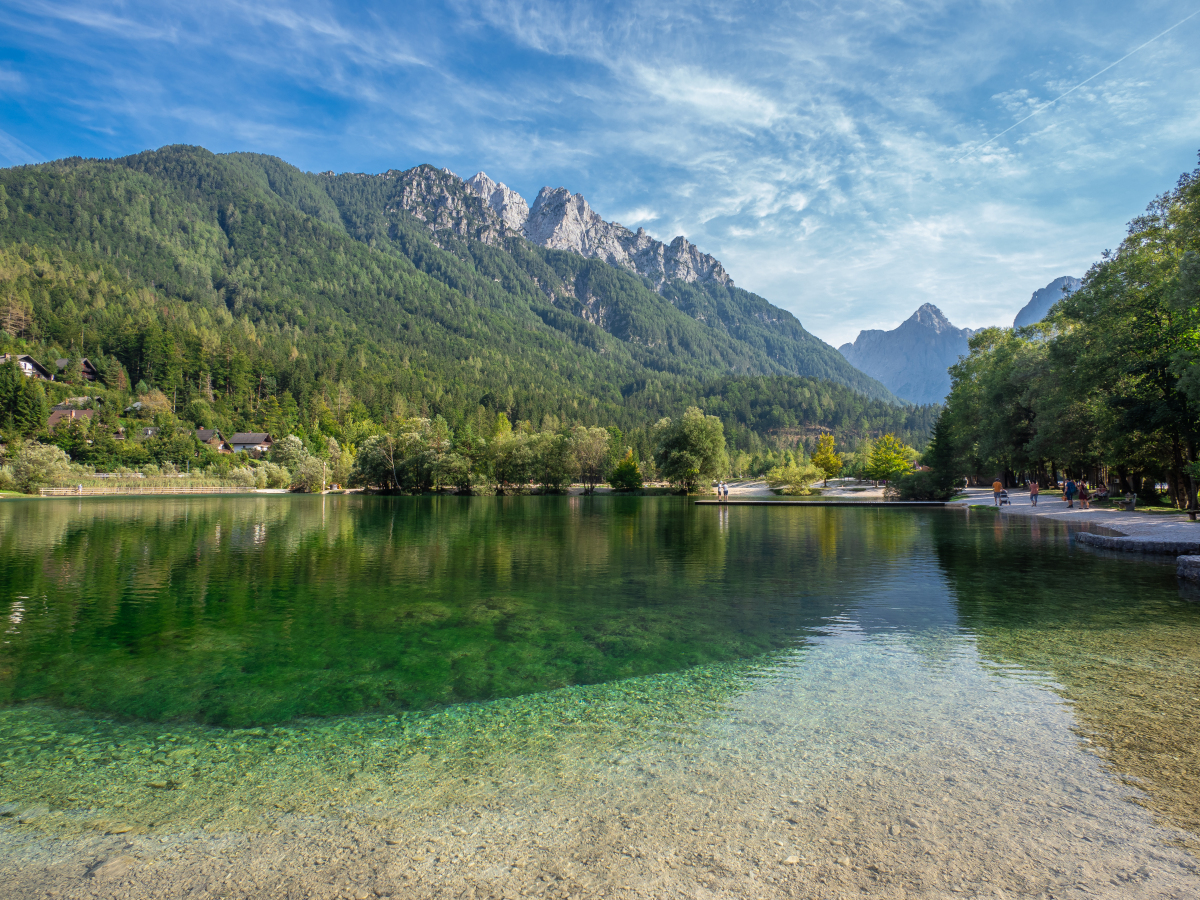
[[997, 487], [1069, 492], [1084, 496], [1033, 492], [726, 489]]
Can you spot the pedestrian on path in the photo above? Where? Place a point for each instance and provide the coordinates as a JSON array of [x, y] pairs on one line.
[[1069, 492], [1084, 496], [725, 488], [1033, 492], [997, 487]]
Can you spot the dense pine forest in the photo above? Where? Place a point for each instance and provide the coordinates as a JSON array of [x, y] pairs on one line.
[[239, 293]]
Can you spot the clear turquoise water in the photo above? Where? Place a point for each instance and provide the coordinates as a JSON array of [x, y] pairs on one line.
[[238, 663]]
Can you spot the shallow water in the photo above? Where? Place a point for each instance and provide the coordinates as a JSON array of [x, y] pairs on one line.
[[345, 696]]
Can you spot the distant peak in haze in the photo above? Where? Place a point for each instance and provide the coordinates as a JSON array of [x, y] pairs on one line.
[[929, 316], [1044, 298], [911, 359]]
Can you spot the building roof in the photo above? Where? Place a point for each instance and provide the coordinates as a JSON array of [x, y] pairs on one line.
[[66, 413], [63, 363], [204, 435], [250, 437], [29, 365]]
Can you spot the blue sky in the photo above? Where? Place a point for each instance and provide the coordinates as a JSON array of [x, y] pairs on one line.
[[832, 155]]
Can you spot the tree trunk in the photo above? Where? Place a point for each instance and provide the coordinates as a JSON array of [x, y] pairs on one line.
[[1176, 473]]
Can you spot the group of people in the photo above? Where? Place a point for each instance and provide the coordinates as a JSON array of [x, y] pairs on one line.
[[1071, 490], [722, 492]]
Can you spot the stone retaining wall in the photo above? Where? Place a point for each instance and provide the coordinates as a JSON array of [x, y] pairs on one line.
[[1188, 568], [1137, 545]]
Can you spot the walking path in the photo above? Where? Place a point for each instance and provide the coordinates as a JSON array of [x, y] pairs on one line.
[[1134, 531]]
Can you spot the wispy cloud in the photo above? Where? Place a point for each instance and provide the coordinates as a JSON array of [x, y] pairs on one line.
[[16, 153]]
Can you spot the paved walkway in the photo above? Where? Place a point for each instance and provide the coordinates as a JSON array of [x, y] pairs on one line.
[[1167, 529]]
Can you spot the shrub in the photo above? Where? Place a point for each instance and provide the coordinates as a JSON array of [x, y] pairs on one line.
[[270, 475], [39, 465], [926, 485], [625, 475], [795, 479]]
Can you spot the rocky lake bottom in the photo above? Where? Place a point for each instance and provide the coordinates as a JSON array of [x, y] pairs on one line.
[[950, 719]]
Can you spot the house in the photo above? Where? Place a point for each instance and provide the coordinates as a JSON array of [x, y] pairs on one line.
[[147, 433], [90, 372], [253, 442], [64, 413], [30, 367], [212, 437]]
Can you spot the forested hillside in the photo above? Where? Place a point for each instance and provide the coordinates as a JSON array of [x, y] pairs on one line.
[[253, 295]]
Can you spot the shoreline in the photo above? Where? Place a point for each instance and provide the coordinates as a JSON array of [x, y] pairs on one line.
[[1131, 532], [1135, 526]]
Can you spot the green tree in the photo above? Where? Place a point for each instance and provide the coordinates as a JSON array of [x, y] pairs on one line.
[[375, 463], [590, 447], [37, 465], [625, 475], [691, 449], [826, 458], [309, 477], [889, 459], [289, 452]]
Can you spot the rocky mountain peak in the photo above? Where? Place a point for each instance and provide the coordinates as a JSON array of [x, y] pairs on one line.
[[912, 359], [501, 199], [564, 221], [929, 316], [1044, 298], [558, 219]]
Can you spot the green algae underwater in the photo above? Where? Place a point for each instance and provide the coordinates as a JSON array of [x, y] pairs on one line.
[[244, 612], [221, 662]]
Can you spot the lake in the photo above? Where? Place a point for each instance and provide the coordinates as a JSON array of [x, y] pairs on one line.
[[346, 695]]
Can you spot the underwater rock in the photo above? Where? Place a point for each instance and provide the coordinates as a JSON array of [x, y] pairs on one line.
[[117, 867]]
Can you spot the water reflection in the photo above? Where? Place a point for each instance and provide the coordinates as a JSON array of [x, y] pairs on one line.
[[250, 610]]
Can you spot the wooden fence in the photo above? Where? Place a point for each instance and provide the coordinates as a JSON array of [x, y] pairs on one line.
[[140, 489]]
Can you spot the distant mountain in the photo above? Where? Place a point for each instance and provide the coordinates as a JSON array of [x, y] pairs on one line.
[[1044, 298], [912, 359]]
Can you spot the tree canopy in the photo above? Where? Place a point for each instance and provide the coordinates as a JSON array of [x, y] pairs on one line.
[[1108, 382]]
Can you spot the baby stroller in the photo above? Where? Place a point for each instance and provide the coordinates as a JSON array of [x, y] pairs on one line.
[[1004, 499]]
